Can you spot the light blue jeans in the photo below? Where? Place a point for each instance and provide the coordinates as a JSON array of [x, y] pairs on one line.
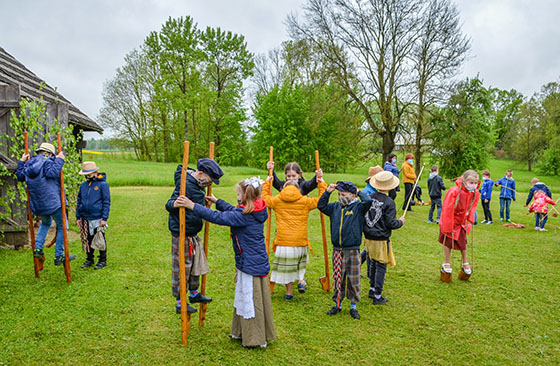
[[505, 203], [46, 222]]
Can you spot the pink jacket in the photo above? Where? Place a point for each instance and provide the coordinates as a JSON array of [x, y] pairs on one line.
[[540, 203]]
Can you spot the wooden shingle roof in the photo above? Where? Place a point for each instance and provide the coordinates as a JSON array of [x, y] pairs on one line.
[[13, 72]]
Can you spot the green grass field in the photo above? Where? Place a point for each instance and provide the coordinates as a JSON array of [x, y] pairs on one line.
[[124, 314]]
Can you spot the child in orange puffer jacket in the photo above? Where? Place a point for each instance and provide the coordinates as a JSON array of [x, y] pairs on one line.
[[290, 244]]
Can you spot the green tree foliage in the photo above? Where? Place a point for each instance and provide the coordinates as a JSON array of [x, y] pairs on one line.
[[463, 134], [182, 84], [550, 99], [506, 105], [528, 133]]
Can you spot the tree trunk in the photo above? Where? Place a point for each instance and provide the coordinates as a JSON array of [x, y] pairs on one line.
[[165, 140], [418, 143], [388, 142]]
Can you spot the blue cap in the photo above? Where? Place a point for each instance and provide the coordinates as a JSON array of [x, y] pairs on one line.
[[346, 187], [211, 168]]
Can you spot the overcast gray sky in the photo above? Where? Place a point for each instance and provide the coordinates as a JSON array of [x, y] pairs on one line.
[[76, 46]]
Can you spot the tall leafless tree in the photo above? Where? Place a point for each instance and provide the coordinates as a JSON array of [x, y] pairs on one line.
[[367, 45], [439, 52]]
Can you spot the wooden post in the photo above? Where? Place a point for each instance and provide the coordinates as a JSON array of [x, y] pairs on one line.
[[413, 189], [269, 221], [202, 311], [36, 261], [185, 316], [63, 209], [325, 281]]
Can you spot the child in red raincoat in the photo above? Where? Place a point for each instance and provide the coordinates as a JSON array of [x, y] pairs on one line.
[[540, 208], [457, 217]]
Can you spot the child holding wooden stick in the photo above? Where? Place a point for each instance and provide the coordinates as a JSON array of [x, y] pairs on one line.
[[540, 207], [293, 172], [507, 193], [347, 219], [290, 244], [457, 217], [252, 314]]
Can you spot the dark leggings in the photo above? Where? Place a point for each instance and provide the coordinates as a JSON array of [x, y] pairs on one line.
[[407, 193]]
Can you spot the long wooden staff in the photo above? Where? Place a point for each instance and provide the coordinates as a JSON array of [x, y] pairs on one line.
[[37, 263], [202, 312], [63, 209], [325, 280], [269, 221], [185, 316], [413, 190]]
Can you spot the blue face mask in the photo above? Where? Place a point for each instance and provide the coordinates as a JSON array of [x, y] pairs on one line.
[[394, 161], [411, 161], [484, 178]]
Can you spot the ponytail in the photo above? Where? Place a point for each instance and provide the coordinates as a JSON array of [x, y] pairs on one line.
[[248, 195]]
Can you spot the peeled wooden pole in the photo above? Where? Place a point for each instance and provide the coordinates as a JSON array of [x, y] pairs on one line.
[[37, 264], [325, 281], [202, 312], [413, 189], [269, 221], [63, 209], [185, 316]]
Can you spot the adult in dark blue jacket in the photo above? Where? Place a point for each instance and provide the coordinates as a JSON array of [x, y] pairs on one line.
[[347, 221], [252, 314], [208, 171], [41, 174], [92, 210], [391, 166], [507, 193], [537, 186]]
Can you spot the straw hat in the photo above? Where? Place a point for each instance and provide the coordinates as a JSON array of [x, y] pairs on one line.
[[45, 146], [384, 181], [88, 167], [373, 170]]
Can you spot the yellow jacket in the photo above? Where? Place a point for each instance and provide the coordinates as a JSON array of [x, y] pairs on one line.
[[408, 174], [292, 211]]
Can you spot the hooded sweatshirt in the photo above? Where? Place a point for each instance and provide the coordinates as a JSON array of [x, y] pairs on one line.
[[42, 176], [246, 234], [292, 211], [435, 186], [539, 186], [94, 199]]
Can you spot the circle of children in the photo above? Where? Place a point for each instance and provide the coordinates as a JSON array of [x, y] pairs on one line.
[[371, 212]]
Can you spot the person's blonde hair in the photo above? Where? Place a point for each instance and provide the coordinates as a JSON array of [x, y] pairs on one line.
[[466, 175], [248, 196], [292, 183]]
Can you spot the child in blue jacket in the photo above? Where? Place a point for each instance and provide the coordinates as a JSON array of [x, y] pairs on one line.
[[486, 196], [507, 193], [252, 313], [92, 211], [347, 220], [41, 174]]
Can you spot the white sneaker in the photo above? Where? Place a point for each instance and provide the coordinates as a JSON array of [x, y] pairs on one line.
[[537, 228], [543, 229], [446, 270]]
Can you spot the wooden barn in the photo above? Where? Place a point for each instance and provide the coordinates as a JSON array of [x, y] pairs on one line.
[[16, 82]]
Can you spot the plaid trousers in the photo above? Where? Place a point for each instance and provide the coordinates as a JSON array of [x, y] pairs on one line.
[[192, 281], [346, 273]]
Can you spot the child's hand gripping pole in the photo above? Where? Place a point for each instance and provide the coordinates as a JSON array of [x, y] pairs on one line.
[[413, 189], [185, 317], [202, 312], [37, 262], [325, 280], [63, 208]]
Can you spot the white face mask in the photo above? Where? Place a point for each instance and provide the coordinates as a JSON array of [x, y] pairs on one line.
[[471, 187]]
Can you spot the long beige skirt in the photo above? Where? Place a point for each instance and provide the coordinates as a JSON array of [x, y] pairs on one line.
[[259, 330]]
